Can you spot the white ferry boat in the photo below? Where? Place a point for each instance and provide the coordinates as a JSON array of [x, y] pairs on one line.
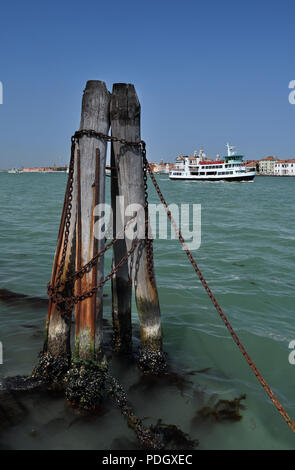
[[198, 168]]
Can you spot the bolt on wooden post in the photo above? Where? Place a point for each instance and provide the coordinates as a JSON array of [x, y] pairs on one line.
[[125, 124]]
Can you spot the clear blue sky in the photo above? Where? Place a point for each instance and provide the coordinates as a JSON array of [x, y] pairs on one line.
[[206, 72]]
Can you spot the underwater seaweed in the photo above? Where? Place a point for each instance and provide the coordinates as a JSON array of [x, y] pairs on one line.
[[222, 410], [173, 438]]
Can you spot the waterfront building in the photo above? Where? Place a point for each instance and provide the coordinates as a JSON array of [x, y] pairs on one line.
[[266, 166], [284, 167], [251, 164], [45, 169]]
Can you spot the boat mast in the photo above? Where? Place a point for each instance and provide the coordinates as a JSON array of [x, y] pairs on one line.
[[230, 149]]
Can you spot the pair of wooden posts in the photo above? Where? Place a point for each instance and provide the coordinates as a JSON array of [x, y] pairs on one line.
[[100, 111]]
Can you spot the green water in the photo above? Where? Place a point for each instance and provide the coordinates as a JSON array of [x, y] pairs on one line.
[[247, 257]]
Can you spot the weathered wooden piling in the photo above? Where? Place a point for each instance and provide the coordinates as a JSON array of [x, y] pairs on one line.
[[85, 381], [78, 269], [79, 242], [94, 116], [121, 285], [56, 356], [59, 319], [125, 124]]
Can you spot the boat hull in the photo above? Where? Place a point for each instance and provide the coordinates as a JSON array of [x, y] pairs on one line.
[[218, 178]]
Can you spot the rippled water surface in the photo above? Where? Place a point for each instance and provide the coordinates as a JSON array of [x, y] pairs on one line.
[[247, 256]]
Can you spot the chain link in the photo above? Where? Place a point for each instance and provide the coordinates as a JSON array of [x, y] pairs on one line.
[[106, 138], [68, 208], [51, 289], [148, 241], [65, 309], [87, 294]]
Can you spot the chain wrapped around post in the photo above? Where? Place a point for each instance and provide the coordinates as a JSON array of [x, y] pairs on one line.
[[148, 241], [68, 302], [67, 223]]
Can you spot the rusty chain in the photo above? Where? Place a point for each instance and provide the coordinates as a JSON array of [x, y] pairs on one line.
[[224, 318], [142, 146], [148, 241], [106, 138], [68, 211], [52, 289], [93, 261], [74, 299]]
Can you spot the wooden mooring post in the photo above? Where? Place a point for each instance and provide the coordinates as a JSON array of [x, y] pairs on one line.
[[121, 282], [56, 356], [85, 379], [78, 278], [92, 151], [125, 124], [78, 244]]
